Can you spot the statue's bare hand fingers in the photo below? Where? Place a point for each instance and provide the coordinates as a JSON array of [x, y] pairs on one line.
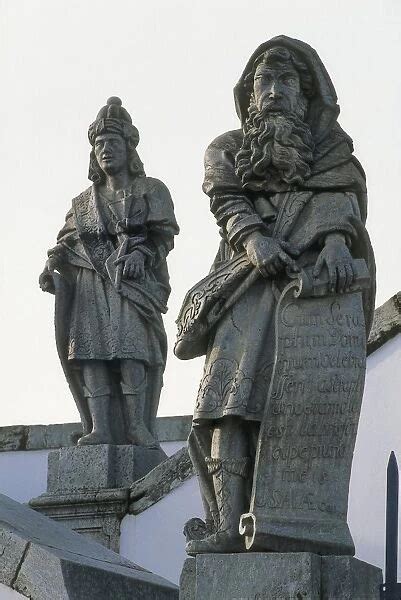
[[332, 276], [349, 276], [341, 278]]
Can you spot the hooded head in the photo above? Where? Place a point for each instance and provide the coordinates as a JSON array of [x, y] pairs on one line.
[[113, 119], [287, 104], [323, 109]]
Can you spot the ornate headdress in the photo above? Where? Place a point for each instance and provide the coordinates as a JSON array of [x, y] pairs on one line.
[[113, 118]]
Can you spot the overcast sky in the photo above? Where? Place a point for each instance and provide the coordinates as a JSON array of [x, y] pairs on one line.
[[174, 64]]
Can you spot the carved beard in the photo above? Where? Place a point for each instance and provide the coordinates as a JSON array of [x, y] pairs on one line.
[[276, 146]]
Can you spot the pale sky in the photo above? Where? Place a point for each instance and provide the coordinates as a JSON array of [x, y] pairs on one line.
[[174, 64]]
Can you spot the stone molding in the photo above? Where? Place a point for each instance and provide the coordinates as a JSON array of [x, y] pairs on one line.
[[61, 435], [42, 559], [386, 323], [164, 478]]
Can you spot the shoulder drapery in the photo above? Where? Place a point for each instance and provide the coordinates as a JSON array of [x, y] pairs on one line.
[[84, 243]]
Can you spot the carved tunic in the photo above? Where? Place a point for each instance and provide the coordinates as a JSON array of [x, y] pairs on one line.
[[241, 349], [104, 323]]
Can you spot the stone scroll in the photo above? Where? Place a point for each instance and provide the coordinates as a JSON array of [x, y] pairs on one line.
[[303, 463]]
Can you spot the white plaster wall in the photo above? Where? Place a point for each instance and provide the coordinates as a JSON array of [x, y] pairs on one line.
[[9, 594], [23, 474], [154, 539], [379, 433]]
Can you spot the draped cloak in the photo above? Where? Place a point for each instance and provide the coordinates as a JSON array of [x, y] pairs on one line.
[[240, 347], [97, 319]]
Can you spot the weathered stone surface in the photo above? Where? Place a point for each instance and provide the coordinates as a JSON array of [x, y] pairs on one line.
[[258, 576], [99, 467], [88, 487], [111, 340], [44, 560], [278, 576], [386, 323], [173, 429], [159, 482], [306, 443], [188, 580], [96, 514], [348, 578], [275, 228], [13, 438], [60, 435], [53, 436]]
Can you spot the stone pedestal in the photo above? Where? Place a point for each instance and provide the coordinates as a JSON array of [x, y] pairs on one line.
[[42, 560], [278, 576], [88, 487]]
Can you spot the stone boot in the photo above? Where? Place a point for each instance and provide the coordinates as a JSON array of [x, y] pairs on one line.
[[99, 405], [137, 432], [229, 480]]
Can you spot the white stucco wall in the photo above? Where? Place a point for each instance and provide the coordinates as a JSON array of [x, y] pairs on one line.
[[154, 538], [23, 474], [8, 594], [379, 433]]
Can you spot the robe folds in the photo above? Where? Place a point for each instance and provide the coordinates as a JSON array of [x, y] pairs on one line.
[[97, 319], [240, 348]]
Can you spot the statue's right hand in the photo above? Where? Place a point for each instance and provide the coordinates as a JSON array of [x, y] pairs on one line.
[[267, 255], [46, 281]]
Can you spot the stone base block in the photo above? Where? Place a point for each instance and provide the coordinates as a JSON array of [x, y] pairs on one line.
[[96, 515], [42, 560], [88, 487], [99, 467], [278, 576]]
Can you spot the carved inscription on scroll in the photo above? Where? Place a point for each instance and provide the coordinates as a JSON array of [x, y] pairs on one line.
[[308, 434]]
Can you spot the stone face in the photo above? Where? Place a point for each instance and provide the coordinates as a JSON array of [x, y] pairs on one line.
[[44, 560], [278, 576]]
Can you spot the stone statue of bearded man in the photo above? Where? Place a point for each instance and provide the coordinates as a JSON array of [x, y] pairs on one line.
[[109, 273], [287, 194]]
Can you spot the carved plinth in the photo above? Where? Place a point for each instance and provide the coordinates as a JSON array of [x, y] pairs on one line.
[[278, 576], [88, 487], [94, 514]]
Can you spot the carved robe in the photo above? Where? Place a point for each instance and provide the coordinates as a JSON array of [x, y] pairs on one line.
[[240, 352], [99, 319]]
